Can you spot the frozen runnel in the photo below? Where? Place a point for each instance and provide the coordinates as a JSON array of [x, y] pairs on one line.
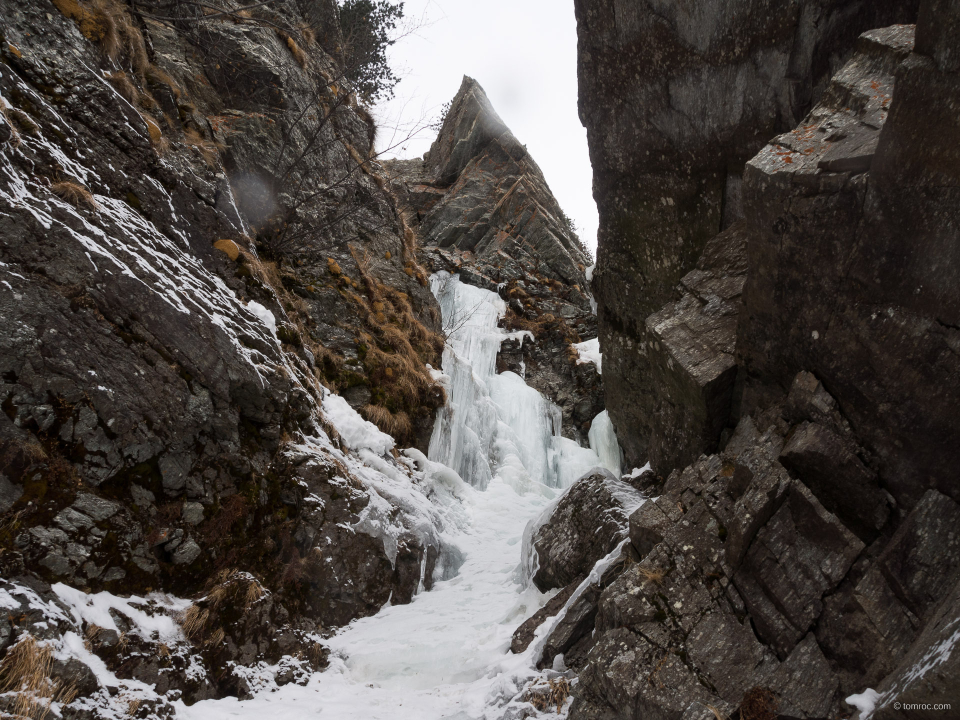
[[446, 654]]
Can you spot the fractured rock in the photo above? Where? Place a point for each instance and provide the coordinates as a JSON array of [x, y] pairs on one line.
[[586, 525]]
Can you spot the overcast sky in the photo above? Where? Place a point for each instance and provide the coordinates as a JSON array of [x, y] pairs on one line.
[[524, 54]]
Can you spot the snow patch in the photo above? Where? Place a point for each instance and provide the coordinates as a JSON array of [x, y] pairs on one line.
[[265, 316], [356, 432], [588, 351]]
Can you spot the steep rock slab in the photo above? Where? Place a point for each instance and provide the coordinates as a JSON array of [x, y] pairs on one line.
[[675, 99], [156, 370], [875, 323], [493, 199], [682, 366]]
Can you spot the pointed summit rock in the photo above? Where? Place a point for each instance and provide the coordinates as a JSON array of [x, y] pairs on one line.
[[478, 191]]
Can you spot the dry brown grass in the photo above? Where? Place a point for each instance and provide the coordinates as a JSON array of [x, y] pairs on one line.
[[193, 621], [298, 54], [308, 35], [653, 574], [25, 671], [162, 77], [209, 150], [74, 193], [552, 694], [395, 424], [232, 591], [759, 704], [5, 110]]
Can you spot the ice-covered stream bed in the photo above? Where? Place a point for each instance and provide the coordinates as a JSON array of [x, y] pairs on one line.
[[446, 654]]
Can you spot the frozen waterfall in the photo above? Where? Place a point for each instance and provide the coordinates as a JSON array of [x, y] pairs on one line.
[[497, 423], [445, 655]]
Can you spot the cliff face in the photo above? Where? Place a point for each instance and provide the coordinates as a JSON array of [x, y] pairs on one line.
[[192, 243], [783, 565], [675, 100], [484, 210]]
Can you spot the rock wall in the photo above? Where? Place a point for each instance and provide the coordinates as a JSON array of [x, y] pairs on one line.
[[786, 565], [675, 100], [193, 244]]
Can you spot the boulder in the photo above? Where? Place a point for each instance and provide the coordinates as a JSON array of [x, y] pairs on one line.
[[586, 525]]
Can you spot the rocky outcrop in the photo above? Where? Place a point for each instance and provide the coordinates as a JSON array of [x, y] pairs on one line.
[[792, 569], [587, 524], [193, 244], [874, 322], [483, 210], [750, 579], [682, 366], [478, 190], [675, 100]]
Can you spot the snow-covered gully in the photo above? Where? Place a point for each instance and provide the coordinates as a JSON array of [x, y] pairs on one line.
[[446, 654]]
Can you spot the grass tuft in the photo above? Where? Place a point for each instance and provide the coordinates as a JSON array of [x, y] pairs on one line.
[[74, 193], [25, 672]]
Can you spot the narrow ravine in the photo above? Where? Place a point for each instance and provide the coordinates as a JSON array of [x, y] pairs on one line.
[[446, 654]]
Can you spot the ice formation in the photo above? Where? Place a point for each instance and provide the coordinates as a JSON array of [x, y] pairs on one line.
[[589, 352], [496, 460], [492, 422], [603, 441]]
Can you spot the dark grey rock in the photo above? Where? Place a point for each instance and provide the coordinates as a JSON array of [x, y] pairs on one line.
[[9, 493], [802, 553], [929, 674], [192, 513], [586, 525], [681, 369], [675, 102], [826, 465], [97, 508], [872, 324], [922, 560], [186, 552]]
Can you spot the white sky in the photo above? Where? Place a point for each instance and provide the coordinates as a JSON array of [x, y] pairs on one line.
[[524, 54]]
